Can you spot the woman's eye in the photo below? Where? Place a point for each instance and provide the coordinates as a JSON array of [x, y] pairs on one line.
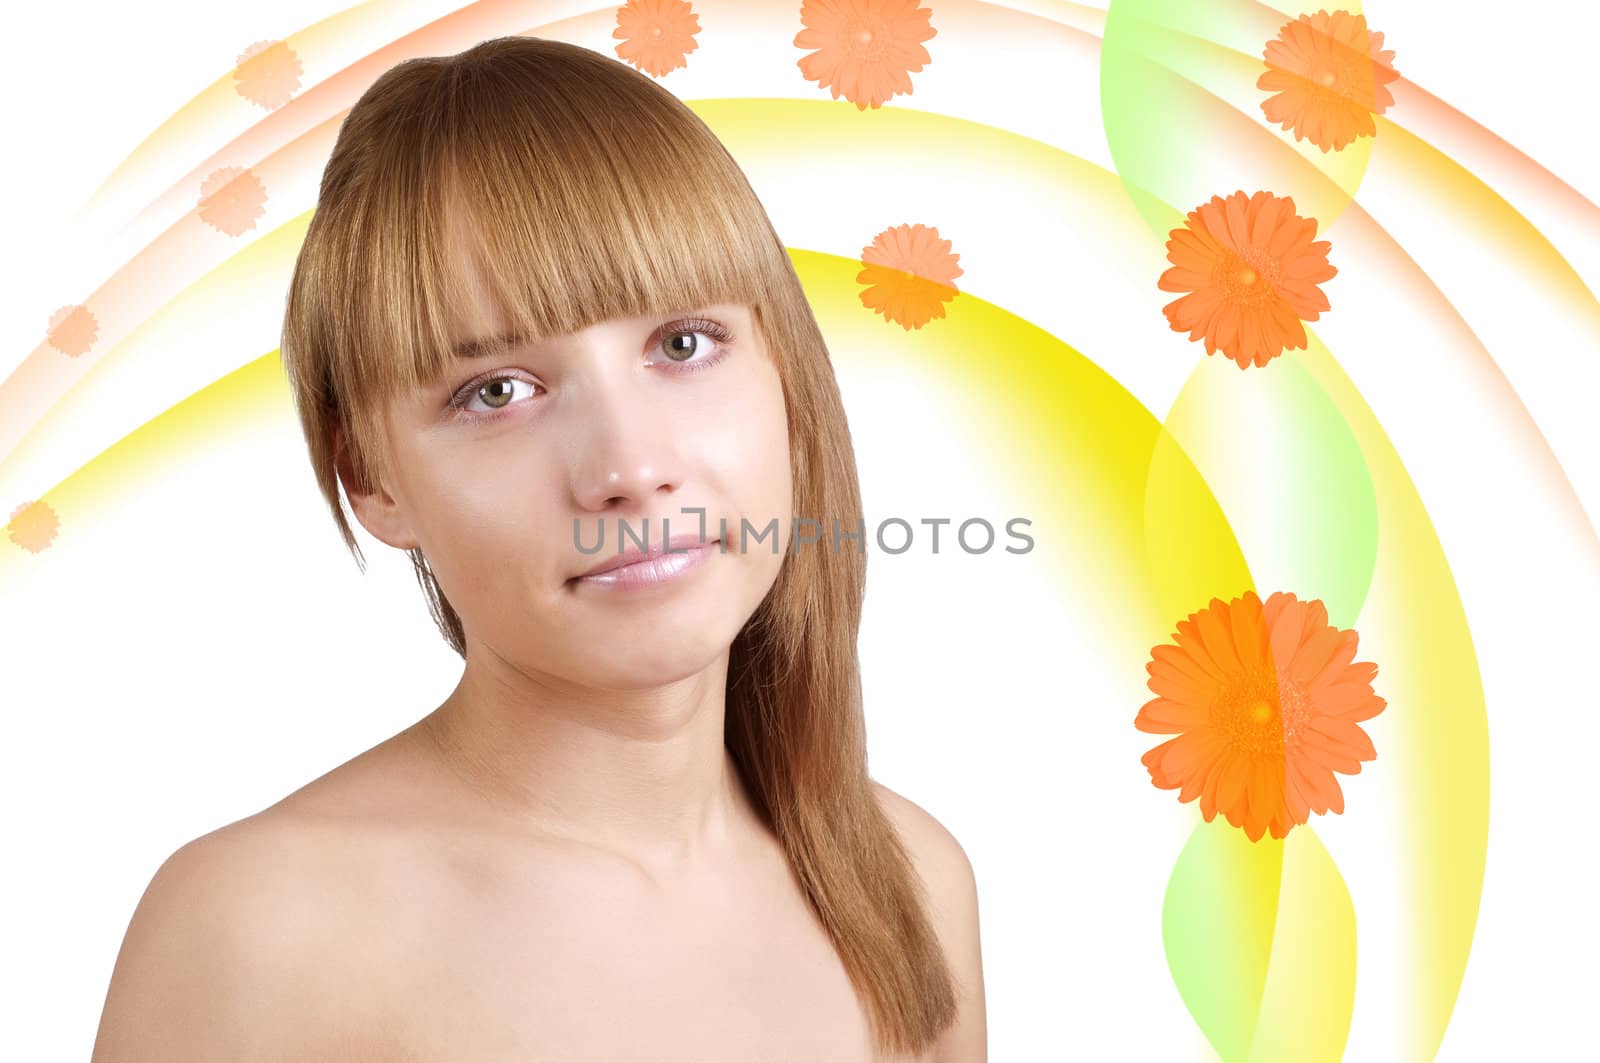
[[686, 346], [694, 345], [494, 393]]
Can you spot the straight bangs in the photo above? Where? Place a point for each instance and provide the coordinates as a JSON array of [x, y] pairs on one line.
[[578, 200]]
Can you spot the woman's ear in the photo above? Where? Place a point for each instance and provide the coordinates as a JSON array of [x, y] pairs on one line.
[[374, 507]]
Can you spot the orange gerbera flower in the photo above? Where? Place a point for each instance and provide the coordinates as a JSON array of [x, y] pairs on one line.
[[268, 73], [1252, 272], [657, 35], [1265, 702], [865, 49], [910, 274], [33, 525], [231, 199], [1329, 75], [72, 330]]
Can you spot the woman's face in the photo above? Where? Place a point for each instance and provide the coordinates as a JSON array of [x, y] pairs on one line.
[[509, 463]]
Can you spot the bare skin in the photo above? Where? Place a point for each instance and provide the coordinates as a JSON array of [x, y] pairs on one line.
[[388, 916], [503, 946]]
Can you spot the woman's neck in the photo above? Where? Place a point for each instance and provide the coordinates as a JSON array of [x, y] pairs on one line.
[[643, 774]]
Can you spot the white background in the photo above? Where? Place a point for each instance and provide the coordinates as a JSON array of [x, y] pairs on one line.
[[135, 724]]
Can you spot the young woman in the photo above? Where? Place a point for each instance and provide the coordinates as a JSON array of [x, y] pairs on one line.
[[539, 318]]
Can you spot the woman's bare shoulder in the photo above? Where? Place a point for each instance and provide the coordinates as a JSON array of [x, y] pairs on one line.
[[206, 966], [952, 892], [918, 827], [239, 930]]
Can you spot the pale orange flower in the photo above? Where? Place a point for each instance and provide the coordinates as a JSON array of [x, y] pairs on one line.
[[910, 274], [1329, 74], [865, 49], [231, 199], [268, 73], [72, 330], [657, 35], [1252, 270], [33, 525], [1265, 702]]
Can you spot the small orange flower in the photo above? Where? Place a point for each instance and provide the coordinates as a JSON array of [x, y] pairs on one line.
[[1265, 702], [1329, 75], [910, 274], [657, 35], [268, 74], [231, 199], [865, 49], [33, 525], [1252, 273], [72, 330]]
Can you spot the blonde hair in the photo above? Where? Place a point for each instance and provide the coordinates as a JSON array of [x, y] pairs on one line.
[[590, 192]]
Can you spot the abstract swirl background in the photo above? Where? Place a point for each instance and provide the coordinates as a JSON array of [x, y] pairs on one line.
[[185, 640]]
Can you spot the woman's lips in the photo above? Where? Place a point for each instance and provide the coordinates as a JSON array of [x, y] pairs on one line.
[[652, 571]]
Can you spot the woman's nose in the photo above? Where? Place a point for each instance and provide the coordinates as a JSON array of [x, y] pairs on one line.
[[627, 452]]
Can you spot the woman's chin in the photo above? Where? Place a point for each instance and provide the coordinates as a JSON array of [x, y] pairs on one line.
[[629, 671]]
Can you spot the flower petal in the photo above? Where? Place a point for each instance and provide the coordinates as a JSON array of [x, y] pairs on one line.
[[1349, 736], [1181, 662], [1353, 701], [1165, 716], [1314, 654], [1238, 225], [1334, 669], [1218, 635]]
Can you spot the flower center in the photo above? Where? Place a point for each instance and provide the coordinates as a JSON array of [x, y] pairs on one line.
[[655, 31], [1350, 76], [1250, 277], [866, 42], [1261, 713]]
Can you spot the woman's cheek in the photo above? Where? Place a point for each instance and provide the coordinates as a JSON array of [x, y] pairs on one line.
[[758, 432]]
